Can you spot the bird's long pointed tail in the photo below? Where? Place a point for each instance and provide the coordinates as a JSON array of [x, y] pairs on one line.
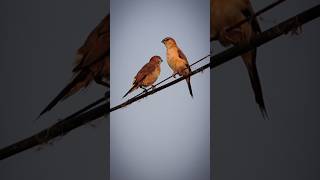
[[189, 86], [130, 90], [74, 86], [255, 81]]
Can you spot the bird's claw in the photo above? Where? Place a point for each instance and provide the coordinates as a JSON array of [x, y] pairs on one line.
[[297, 30], [145, 90], [174, 75]]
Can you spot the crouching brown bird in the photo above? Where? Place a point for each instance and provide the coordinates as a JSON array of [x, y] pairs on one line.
[[177, 61], [92, 63], [226, 13], [147, 75]]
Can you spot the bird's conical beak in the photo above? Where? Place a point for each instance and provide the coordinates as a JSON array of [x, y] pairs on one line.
[[162, 41]]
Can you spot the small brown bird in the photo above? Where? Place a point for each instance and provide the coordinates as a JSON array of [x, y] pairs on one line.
[[177, 61], [147, 75], [226, 13], [92, 63]]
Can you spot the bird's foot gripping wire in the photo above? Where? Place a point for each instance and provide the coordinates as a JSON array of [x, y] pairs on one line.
[[298, 29], [174, 75], [144, 89], [153, 87]]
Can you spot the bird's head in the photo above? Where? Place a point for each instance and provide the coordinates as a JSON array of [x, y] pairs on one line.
[[169, 42], [156, 59]]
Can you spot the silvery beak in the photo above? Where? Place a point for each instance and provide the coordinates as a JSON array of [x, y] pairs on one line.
[[162, 41], [161, 60]]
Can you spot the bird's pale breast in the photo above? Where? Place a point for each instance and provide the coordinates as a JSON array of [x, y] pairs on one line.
[[175, 62]]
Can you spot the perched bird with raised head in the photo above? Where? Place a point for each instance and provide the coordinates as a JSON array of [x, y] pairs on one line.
[[147, 75], [177, 61], [226, 13], [92, 63]]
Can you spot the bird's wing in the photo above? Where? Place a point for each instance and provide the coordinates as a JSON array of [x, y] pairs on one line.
[[182, 56], [96, 46], [143, 73]]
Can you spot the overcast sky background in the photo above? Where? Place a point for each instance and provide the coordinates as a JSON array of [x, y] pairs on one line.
[[166, 135]]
